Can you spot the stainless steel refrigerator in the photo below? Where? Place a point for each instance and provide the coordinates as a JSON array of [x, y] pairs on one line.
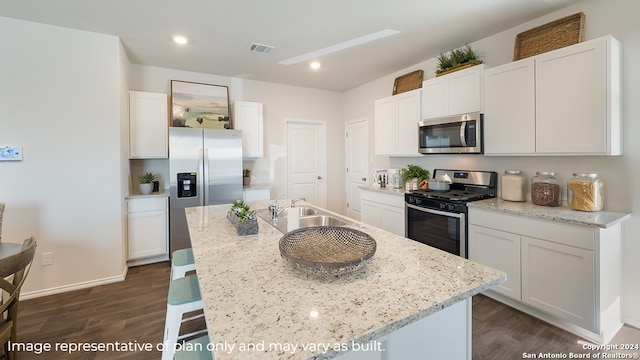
[[205, 168]]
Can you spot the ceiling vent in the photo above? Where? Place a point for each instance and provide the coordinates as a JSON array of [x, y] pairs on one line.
[[260, 48]]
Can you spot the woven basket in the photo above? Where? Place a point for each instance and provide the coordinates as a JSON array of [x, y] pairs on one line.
[[408, 82], [327, 250], [550, 36]]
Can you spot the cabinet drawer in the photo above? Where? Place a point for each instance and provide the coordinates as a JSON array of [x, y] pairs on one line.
[[387, 199], [146, 204], [567, 234]]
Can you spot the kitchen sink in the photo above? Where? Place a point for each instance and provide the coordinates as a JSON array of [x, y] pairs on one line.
[[320, 220], [307, 216]]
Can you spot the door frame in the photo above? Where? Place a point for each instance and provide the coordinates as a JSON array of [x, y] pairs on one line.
[[346, 161], [323, 128]]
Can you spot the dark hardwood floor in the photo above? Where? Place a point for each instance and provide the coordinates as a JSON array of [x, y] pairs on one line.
[[133, 311]]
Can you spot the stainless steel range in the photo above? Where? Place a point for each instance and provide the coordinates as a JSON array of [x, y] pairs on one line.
[[439, 218]]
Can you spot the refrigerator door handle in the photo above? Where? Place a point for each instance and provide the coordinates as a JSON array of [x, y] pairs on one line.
[[205, 176]]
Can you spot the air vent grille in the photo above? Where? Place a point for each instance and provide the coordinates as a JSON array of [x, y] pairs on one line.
[[260, 48]]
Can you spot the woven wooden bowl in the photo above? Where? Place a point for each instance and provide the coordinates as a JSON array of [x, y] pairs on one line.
[[327, 250]]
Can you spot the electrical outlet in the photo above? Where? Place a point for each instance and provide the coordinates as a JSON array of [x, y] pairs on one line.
[[46, 258]]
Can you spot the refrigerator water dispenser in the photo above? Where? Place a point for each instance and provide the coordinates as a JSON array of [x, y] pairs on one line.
[[187, 185]]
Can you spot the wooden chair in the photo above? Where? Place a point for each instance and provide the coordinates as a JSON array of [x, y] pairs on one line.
[[17, 265]]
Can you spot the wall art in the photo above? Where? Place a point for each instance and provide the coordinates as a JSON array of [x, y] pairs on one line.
[[198, 105]]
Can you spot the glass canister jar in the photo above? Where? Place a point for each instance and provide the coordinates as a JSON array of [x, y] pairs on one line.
[[584, 192], [545, 189], [513, 185]]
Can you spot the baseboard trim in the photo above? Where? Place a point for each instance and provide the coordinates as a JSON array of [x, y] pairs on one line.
[[72, 287], [633, 322]]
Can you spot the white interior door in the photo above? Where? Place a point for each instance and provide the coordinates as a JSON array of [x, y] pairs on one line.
[[306, 161], [357, 152]]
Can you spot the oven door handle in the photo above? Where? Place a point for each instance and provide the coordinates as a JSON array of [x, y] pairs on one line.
[[437, 212]]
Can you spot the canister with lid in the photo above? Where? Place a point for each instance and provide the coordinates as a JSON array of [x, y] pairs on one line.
[[584, 192], [545, 189], [513, 185]]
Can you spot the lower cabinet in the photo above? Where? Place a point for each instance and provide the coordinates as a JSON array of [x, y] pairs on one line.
[[385, 211], [147, 228], [568, 275]]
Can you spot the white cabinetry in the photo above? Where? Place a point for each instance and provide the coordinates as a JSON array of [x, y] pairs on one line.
[[453, 94], [249, 117], [148, 125], [563, 102], [396, 120], [256, 194], [568, 275], [147, 228], [385, 211], [500, 250]]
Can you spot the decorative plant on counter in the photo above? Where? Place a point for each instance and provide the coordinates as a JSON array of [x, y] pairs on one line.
[[456, 58], [246, 177], [146, 186], [146, 178], [415, 172], [243, 218], [243, 211]]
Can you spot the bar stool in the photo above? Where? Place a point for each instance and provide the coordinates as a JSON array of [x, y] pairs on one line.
[[182, 262], [184, 297], [198, 350]]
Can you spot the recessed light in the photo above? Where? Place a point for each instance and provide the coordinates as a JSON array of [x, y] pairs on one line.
[[180, 39], [315, 65]]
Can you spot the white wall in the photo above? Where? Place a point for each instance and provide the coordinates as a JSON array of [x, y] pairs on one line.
[[620, 174], [281, 102], [60, 101]]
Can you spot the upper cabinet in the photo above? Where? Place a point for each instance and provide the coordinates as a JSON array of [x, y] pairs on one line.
[[563, 102], [148, 125], [248, 117], [396, 119], [456, 93]]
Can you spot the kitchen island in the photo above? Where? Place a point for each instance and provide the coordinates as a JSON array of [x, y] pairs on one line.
[[409, 301]]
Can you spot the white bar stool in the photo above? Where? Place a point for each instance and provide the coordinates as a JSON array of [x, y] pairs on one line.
[[198, 351], [182, 262], [184, 297]]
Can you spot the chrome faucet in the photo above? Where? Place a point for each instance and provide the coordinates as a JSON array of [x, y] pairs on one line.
[[275, 209]]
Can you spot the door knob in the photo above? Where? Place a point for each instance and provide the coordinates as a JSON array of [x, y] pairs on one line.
[[364, 179], [319, 177]]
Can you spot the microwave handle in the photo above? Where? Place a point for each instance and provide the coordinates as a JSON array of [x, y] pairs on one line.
[[463, 131]]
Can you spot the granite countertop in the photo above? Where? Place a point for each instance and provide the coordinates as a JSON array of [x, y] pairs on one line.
[[153, 194], [602, 219], [253, 296], [386, 189]]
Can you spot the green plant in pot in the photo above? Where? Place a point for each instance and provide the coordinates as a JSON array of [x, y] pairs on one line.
[[456, 58], [146, 182], [246, 177], [415, 172]]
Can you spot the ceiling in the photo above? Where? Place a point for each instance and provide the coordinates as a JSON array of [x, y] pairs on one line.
[[220, 32]]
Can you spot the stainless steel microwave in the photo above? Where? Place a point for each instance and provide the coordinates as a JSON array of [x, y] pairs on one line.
[[460, 134]]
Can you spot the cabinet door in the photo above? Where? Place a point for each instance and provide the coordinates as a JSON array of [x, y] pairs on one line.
[[560, 280], [147, 234], [370, 213], [386, 126], [408, 112], [571, 105], [509, 105], [392, 219], [248, 117], [148, 125], [499, 250], [435, 97], [465, 92]]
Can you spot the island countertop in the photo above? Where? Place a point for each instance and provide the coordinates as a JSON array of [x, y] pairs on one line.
[[252, 296]]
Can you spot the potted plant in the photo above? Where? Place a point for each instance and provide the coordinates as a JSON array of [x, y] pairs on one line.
[[246, 177], [415, 173], [243, 218], [457, 59], [146, 182]]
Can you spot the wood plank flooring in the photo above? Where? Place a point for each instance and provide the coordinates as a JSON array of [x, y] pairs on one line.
[[133, 311]]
